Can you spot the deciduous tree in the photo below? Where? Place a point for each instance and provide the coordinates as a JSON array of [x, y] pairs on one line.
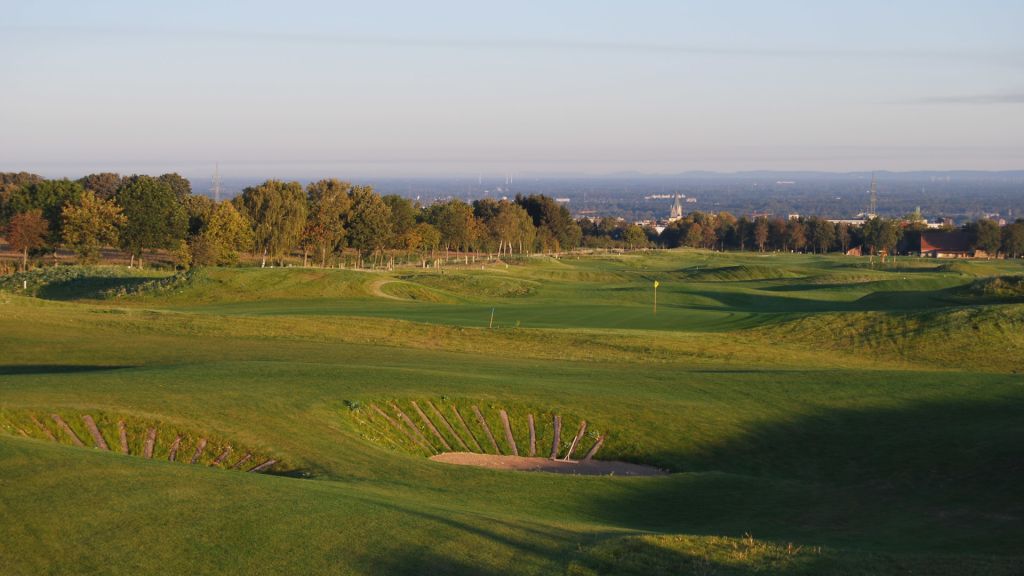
[[104, 184], [761, 232], [369, 222], [225, 235], [49, 196], [156, 218], [90, 224], [277, 211], [634, 237], [1013, 239], [986, 236], [180, 185], [329, 206], [27, 231]]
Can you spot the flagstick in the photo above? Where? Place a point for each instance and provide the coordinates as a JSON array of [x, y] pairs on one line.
[[655, 299]]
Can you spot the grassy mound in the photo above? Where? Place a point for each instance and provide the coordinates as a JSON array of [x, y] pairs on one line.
[[743, 273], [79, 282], [959, 336], [969, 268], [476, 285], [403, 290], [222, 285], [187, 444], [1005, 288]]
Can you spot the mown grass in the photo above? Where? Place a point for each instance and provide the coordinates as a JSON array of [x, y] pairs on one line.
[[870, 420]]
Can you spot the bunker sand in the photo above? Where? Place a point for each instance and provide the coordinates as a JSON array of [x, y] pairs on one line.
[[526, 464]]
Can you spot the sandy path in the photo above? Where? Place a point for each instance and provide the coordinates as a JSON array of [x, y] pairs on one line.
[[588, 468], [375, 289]]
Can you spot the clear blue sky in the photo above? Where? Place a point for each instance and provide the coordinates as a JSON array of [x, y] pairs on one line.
[[418, 88]]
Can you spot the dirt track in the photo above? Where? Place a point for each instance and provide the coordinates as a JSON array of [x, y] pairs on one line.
[[375, 289], [522, 463]]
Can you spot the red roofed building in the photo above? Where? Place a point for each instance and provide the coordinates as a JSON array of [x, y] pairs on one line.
[[954, 244]]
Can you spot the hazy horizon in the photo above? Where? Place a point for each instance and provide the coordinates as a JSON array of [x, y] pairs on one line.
[[401, 89]]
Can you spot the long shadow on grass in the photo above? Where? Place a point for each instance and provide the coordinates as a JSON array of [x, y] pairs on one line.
[[534, 544], [89, 287], [875, 301], [22, 369], [633, 556], [937, 472]]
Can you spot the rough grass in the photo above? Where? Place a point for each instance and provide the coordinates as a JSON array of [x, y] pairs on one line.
[[742, 273], [476, 285], [717, 555]]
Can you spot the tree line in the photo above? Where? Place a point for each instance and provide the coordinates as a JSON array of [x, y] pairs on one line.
[[814, 234], [330, 221], [323, 221]]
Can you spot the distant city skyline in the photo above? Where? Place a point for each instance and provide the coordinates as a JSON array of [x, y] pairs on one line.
[[392, 89]]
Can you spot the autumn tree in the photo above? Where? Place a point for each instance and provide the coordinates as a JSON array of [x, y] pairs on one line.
[[49, 196], [27, 231], [429, 238], [454, 220], [843, 236], [761, 232], [104, 184], [695, 235], [199, 210], [90, 224], [224, 236], [512, 226], [329, 205], [709, 234], [796, 234]]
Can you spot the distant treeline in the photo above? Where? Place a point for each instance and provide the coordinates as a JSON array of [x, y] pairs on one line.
[[328, 220], [890, 235]]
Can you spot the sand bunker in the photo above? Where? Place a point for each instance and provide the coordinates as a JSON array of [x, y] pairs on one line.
[[587, 468]]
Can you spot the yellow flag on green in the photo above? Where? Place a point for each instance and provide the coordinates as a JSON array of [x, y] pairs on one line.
[[656, 284]]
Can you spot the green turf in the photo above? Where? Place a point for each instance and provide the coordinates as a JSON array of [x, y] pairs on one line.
[[854, 418]]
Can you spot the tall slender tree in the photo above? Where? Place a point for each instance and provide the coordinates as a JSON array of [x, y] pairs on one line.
[[329, 206]]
